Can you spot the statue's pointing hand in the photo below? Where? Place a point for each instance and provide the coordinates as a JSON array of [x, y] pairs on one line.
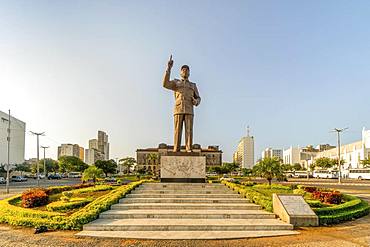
[[170, 63]]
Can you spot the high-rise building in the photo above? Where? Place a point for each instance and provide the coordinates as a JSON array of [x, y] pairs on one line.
[[271, 153], [70, 150], [17, 139], [98, 149], [244, 155]]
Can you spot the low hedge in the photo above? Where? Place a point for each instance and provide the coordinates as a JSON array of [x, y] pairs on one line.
[[254, 196], [60, 206], [93, 189], [18, 216], [352, 208]]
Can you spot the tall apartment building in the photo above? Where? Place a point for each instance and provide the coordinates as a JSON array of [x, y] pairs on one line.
[[70, 150], [271, 153], [244, 155], [17, 139], [98, 149]]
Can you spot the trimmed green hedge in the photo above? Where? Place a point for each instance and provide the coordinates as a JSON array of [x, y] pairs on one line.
[[18, 216], [252, 195], [63, 207], [353, 207]]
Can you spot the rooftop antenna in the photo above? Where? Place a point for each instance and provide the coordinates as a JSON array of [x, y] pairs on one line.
[[248, 130]]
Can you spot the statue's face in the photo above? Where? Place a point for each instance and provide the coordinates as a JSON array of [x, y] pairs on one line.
[[184, 73]]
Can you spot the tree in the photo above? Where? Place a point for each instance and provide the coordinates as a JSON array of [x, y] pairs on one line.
[[71, 164], [268, 168], [92, 173], [108, 166], [22, 168], [325, 163], [229, 167], [366, 162], [297, 167], [246, 171], [51, 166], [127, 162]]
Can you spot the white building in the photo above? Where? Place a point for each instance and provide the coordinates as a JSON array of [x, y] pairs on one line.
[[244, 154], [271, 153], [292, 155], [17, 139], [352, 153], [98, 149]]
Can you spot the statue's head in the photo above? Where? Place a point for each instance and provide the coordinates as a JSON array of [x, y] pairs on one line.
[[185, 72]]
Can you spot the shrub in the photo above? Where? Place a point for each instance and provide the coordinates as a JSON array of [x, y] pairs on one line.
[[66, 196], [248, 183], [252, 195], [272, 186], [61, 206], [34, 198], [93, 189], [334, 197], [60, 189], [18, 216]]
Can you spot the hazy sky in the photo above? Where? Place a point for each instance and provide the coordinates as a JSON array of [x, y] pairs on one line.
[[292, 70]]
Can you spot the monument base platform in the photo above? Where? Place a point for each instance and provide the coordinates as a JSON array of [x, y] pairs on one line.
[[183, 168]]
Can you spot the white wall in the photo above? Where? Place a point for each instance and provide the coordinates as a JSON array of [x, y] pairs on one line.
[[17, 139]]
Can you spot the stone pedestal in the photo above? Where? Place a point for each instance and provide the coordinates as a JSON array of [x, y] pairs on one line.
[[183, 168], [294, 210]]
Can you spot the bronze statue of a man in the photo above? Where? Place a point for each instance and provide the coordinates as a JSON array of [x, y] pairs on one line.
[[186, 96]]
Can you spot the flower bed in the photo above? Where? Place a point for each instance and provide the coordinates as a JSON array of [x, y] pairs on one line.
[[351, 208], [19, 216]]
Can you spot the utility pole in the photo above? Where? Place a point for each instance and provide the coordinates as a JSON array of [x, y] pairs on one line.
[[8, 165], [339, 163], [44, 147], [38, 149]]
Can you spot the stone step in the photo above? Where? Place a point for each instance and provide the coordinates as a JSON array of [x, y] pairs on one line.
[[187, 225], [185, 235], [182, 185], [186, 214], [170, 191], [182, 195], [183, 200], [186, 206]]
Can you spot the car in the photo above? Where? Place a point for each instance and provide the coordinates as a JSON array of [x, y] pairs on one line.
[[54, 176], [110, 179], [18, 179], [227, 178], [2, 180]]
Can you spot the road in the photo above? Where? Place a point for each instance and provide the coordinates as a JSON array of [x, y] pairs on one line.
[[19, 187]]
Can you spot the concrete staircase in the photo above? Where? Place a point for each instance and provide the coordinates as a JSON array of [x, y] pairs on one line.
[[185, 211]]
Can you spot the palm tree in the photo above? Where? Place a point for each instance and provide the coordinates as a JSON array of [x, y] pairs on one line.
[[268, 168], [127, 162]]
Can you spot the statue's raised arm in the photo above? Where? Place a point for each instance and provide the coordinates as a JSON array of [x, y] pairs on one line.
[[167, 83]]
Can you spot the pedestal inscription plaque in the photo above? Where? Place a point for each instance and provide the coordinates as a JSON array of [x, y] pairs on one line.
[[180, 169]]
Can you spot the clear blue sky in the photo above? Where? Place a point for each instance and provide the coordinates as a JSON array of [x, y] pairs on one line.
[[292, 70]]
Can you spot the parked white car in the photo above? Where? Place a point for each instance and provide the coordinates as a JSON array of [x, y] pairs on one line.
[[226, 178], [2, 180]]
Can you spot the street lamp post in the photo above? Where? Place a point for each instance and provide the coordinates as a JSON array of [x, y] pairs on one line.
[[339, 161], [44, 147], [8, 164], [37, 159]]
